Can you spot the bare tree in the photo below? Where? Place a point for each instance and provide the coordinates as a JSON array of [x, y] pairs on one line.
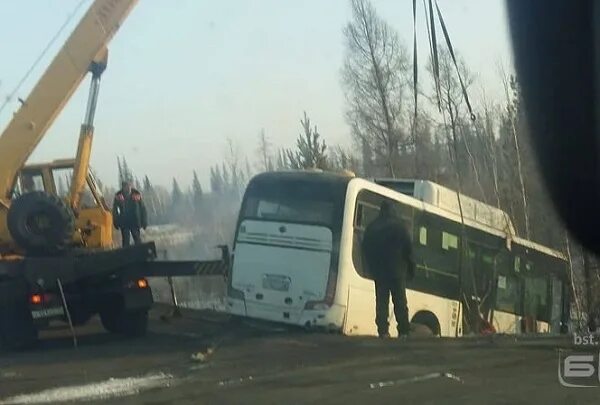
[[487, 139], [424, 164], [343, 159], [375, 74], [264, 153], [455, 118], [233, 160], [513, 111], [282, 161]]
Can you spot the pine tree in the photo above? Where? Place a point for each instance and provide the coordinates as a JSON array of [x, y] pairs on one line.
[[121, 179], [310, 152], [155, 210], [125, 174], [176, 194], [197, 194], [147, 185], [236, 182], [282, 163], [216, 180], [226, 179]]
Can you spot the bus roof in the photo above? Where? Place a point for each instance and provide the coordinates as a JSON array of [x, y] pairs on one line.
[[304, 174], [448, 200]]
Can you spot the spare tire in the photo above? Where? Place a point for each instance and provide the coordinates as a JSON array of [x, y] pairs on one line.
[[41, 223]]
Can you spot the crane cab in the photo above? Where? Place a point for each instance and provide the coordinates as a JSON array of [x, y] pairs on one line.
[[93, 219]]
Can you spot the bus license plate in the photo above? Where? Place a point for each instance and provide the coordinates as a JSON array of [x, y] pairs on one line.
[[276, 282], [47, 312]]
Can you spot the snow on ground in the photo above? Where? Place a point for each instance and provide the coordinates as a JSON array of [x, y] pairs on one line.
[[175, 243], [111, 388]]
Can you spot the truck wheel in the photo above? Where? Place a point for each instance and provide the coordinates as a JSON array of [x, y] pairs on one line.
[[41, 223], [128, 323], [17, 330], [79, 317]]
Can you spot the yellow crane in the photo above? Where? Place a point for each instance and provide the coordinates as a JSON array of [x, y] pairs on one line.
[[46, 208]]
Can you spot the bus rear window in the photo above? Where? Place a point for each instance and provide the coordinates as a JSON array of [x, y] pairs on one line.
[[287, 210], [294, 201]]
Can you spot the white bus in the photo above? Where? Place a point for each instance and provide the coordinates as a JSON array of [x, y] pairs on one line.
[[297, 258]]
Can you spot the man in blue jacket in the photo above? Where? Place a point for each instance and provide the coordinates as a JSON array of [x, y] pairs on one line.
[[129, 213]]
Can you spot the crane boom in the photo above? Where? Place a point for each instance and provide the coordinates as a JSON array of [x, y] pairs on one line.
[[62, 77]]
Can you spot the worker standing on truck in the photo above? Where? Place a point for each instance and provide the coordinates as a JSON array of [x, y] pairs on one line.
[[387, 250], [129, 213]]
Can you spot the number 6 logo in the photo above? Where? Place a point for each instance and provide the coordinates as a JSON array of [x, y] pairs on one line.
[[576, 366]]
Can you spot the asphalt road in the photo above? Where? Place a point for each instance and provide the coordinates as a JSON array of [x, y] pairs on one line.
[[250, 364]]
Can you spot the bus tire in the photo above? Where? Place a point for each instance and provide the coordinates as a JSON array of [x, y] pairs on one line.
[[40, 223], [428, 320]]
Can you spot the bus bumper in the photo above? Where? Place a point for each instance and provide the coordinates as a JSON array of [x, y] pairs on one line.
[[331, 319]]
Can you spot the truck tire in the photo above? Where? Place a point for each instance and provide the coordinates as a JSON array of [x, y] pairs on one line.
[[17, 331], [127, 323], [41, 223], [79, 317]]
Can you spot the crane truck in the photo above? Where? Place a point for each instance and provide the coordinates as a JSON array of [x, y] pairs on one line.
[[57, 260]]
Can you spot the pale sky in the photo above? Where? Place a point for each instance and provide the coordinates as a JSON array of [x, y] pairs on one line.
[[185, 75]]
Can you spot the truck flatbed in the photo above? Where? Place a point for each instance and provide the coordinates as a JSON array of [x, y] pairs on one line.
[[77, 264], [74, 287]]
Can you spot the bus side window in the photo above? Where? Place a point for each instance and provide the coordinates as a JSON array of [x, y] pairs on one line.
[[359, 229], [507, 294], [423, 236], [367, 209], [365, 214], [536, 298], [359, 217], [449, 241], [556, 300]]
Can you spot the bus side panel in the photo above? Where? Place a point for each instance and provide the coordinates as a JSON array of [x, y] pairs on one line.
[[508, 323], [505, 322], [542, 327], [445, 310], [360, 315]]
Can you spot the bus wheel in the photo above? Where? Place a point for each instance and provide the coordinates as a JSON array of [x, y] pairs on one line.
[[425, 323]]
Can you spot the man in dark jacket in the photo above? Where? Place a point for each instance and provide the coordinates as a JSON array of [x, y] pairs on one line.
[[129, 213], [387, 249]]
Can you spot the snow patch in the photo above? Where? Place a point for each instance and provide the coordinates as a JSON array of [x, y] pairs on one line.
[[113, 387]]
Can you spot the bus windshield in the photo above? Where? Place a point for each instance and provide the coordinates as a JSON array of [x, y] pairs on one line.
[[298, 200]]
